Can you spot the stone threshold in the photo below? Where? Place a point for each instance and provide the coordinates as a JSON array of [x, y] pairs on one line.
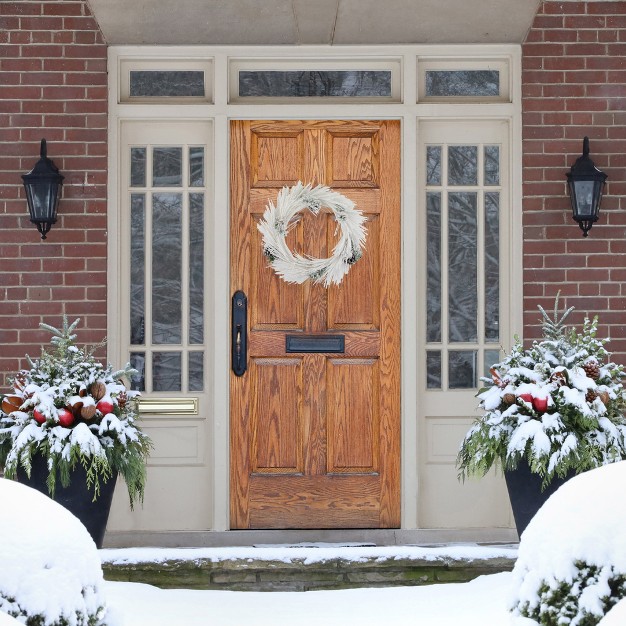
[[306, 566]]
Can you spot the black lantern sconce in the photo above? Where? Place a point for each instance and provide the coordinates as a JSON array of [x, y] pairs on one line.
[[585, 183], [43, 190]]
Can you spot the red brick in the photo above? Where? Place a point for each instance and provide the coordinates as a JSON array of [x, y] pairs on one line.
[[585, 21], [585, 49], [63, 8]]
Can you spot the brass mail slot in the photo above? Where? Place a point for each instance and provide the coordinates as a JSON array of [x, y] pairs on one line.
[[168, 406]]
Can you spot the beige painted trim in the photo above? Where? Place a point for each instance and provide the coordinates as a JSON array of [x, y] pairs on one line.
[[220, 112]]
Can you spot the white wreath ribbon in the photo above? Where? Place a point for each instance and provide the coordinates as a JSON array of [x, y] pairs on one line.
[[279, 219]]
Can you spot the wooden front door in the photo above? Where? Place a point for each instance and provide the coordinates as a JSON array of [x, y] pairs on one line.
[[315, 437]]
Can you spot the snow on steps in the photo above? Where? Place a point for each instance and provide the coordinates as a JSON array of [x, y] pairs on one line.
[[303, 567]]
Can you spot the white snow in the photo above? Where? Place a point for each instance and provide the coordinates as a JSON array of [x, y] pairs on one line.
[[306, 554], [616, 616], [48, 562], [481, 602], [582, 521]]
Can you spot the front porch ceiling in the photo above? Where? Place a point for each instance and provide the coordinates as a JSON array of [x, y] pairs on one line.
[[284, 22]]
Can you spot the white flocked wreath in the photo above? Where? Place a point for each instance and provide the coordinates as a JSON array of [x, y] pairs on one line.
[[279, 219]]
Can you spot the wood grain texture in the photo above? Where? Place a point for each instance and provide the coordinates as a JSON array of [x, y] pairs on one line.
[[315, 438]]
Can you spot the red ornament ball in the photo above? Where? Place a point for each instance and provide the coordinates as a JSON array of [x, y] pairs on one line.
[[66, 417], [540, 404], [105, 407], [38, 416], [527, 397]]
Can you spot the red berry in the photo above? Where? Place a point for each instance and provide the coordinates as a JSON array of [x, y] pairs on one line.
[[66, 418], [540, 404], [40, 418], [527, 397], [105, 407]]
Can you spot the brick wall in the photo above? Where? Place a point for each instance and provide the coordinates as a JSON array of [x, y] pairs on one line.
[[54, 85], [574, 84]]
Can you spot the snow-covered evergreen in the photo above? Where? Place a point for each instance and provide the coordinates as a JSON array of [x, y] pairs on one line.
[[71, 409], [558, 404]]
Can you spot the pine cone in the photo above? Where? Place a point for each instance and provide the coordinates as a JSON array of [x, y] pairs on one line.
[[592, 369], [509, 398], [560, 378], [122, 399], [591, 396]]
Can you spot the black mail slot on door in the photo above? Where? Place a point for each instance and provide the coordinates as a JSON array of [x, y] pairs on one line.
[[315, 343]]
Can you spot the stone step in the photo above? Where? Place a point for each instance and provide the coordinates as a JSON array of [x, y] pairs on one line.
[[305, 568]]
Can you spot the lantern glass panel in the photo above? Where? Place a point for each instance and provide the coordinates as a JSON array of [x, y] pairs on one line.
[[584, 197]]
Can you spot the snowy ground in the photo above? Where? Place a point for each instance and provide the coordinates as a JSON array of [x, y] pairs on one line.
[[481, 602]]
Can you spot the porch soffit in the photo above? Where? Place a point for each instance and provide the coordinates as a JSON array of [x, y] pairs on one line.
[[294, 22]]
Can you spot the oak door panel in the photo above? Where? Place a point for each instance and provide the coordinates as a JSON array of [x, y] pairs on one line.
[[315, 438]]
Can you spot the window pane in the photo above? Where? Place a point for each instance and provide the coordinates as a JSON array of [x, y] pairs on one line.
[[148, 83], [196, 167], [137, 167], [433, 369], [196, 371], [433, 267], [462, 267], [433, 165], [167, 167], [462, 369], [137, 268], [492, 165], [463, 83], [138, 362], [463, 165], [166, 371], [306, 83], [166, 268], [491, 358], [492, 266], [196, 268]]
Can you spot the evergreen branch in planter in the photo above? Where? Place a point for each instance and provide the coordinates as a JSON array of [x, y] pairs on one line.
[[558, 405], [71, 409]]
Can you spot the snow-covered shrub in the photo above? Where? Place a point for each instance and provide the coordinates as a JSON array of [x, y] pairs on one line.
[[71, 409], [616, 616], [558, 405], [571, 567], [50, 570]]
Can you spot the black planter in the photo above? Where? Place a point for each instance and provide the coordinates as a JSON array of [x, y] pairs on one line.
[[75, 497], [526, 495]]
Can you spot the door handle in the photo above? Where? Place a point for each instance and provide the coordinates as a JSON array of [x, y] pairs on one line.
[[239, 331]]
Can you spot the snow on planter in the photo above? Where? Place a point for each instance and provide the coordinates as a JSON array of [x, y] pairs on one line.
[[616, 616], [50, 572], [571, 568]]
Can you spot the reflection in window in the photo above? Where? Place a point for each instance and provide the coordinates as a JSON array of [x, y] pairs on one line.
[[166, 268], [492, 266], [196, 371], [433, 369], [167, 167], [462, 267], [492, 165], [196, 268], [166, 371], [137, 268], [137, 167], [433, 165], [309, 83], [138, 362], [455, 83], [462, 165], [433, 267], [166, 83], [462, 369]]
